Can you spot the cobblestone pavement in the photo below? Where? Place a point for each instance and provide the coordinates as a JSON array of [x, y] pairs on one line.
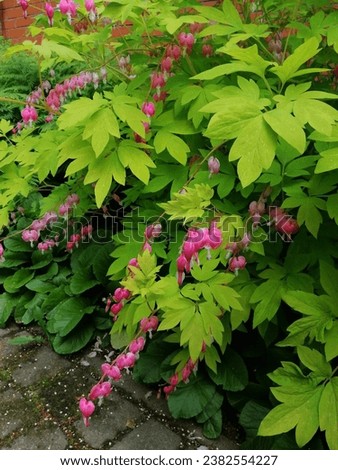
[[38, 396]]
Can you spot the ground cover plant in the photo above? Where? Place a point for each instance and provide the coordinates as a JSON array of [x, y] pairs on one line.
[[185, 169]]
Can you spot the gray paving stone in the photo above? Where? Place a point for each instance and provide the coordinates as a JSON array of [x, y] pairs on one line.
[[47, 437], [46, 363], [10, 419], [144, 394], [151, 435], [116, 415], [9, 422], [16, 412], [6, 351]]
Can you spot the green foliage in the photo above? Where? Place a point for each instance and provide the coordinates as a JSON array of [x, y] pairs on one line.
[[257, 306], [19, 76]]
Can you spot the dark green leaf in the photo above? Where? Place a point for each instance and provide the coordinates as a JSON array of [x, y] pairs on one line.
[[75, 341], [190, 399], [232, 373]]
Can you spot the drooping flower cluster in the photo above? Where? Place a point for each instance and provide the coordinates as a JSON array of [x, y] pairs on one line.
[[54, 98], [183, 376], [33, 233], [208, 238], [124, 361]]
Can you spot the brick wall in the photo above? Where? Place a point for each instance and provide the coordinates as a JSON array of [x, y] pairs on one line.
[[13, 24]]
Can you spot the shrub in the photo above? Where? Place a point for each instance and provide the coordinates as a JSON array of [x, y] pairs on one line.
[[206, 144]]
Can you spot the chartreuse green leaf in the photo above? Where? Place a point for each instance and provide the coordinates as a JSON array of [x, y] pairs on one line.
[[286, 126], [144, 276], [300, 56], [180, 311], [328, 413], [193, 334], [317, 319], [136, 159], [213, 327], [315, 361], [328, 160], [176, 146], [331, 343], [300, 411], [99, 128], [318, 114], [307, 402], [79, 111], [101, 171], [254, 148], [190, 204]]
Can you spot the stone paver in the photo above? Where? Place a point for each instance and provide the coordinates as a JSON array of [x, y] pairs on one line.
[[115, 416], [39, 392], [151, 435], [46, 363], [48, 437]]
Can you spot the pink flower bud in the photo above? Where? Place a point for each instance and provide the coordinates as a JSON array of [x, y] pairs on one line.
[[215, 237], [168, 389], [173, 380], [30, 236], [64, 6], [87, 408], [70, 246], [173, 51], [38, 225], [29, 115], [237, 263], [2, 251], [43, 246], [73, 200], [24, 6], [75, 238], [116, 308], [186, 39], [158, 79], [153, 231], [90, 5], [287, 226], [100, 390], [147, 246], [86, 231], [137, 345], [149, 324], [124, 361], [186, 372], [181, 263], [64, 210], [111, 371], [245, 240], [166, 65], [49, 9], [189, 249], [213, 165], [207, 50], [148, 108]]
